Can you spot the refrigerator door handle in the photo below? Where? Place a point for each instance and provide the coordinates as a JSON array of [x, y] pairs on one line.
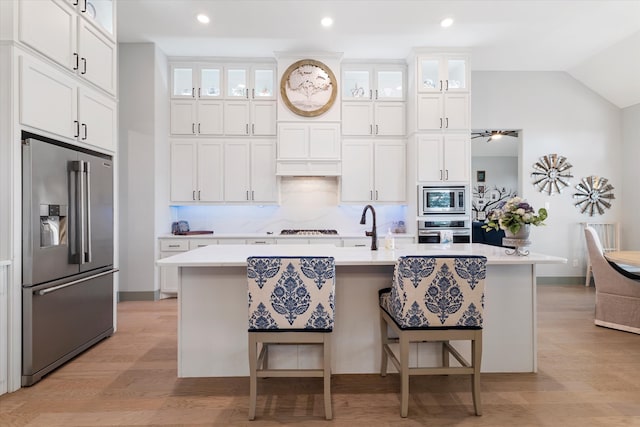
[[88, 204], [81, 214], [75, 197], [75, 282]]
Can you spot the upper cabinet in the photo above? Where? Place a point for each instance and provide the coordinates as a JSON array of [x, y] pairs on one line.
[[196, 81], [78, 34], [443, 73], [250, 82], [373, 100], [373, 82]]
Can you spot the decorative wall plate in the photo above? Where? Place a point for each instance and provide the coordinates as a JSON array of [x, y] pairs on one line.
[[593, 193], [308, 88], [550, 173]]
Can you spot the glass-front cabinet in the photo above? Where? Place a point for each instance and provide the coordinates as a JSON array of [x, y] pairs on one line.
[[250, 82], [376, 83], [443, 73], [100, 12], [196, 81]]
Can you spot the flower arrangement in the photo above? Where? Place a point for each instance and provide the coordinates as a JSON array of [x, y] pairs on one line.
[[513, 214]]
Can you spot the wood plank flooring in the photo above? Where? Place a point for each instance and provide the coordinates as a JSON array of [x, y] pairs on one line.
[[588, 376]]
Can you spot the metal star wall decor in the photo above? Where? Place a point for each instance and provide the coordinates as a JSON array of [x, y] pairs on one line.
[[551, 173], [593, 195]]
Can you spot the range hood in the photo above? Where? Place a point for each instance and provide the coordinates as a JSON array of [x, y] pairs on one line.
[[309, 168]]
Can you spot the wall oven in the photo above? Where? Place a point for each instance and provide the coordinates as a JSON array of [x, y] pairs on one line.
[[441, 200], [433, 231]]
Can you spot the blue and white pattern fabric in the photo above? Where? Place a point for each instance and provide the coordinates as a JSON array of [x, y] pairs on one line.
[[436, 292], [291, 293]]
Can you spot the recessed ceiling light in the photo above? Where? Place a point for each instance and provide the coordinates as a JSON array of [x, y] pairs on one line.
[[446, 22], [202, 18], [327, 21]]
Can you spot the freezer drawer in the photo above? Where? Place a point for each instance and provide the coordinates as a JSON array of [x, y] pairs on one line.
[[61, 321]]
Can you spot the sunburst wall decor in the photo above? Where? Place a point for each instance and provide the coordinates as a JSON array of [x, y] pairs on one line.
[[593, 195], [551, 173]]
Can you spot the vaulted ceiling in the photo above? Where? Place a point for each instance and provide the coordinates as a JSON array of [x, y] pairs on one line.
[[596, 41]]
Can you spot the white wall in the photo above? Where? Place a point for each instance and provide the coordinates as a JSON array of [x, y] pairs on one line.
[[631, 177], [557, 114], [143, 152]]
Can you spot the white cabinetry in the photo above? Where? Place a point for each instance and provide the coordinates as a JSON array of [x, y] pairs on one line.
[[197, 171], [74, 36], [249, 171], [250, 81], [55, 102], [169, 275], [189, 117], [373, 100], [308, 148], [448, 111], [256, 118], [373, 171], [443, 158], [443, 73]]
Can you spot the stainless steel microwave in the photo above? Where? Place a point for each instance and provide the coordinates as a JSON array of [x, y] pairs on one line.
[[441, 200]]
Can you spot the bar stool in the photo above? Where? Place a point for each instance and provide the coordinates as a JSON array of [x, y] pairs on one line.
[[435, 299], [291, 301]]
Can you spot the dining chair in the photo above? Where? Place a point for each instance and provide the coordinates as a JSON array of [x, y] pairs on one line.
[[609, 236], [291, 302], [434, 299]]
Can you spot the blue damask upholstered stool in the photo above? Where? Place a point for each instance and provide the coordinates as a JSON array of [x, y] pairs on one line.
[[434, 299], [291, 301]]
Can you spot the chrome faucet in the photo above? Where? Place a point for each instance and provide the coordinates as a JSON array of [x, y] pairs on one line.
[[373, 233]]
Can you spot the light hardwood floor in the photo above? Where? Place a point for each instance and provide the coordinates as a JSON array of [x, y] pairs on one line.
[[588, 376]]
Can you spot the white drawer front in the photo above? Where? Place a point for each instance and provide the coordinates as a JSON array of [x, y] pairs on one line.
[[174, 245]]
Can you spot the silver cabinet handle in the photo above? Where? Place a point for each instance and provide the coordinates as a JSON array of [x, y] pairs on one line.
[[370, 194], [77, 128], [370, 94], [259, 242], [246, 128], [440, 122], [193, 92], [370, 129], [84, 66], [199, 92], [360, 246], [199, 195], [446, 175], [199, 128], [174, 246], [247, 92], [193, 196], [84, 128], [376, 93], [376, 129], [253, 93], [84, 8], [253, 196], [440, 85], [253, 128], [75, 54], [441, 177], [376, 194], [247, 195], [447, 88], [193, 128], [447, 121]]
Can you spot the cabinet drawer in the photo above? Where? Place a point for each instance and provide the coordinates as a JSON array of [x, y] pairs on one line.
[[200, 243], [174, 245], [261, 242]]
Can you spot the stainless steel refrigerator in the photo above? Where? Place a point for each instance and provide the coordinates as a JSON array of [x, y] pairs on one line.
[[67, 253]]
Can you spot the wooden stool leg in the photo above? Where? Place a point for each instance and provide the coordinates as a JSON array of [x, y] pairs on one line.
[[476, 356], [384, 340], [404, 376], [327, 376], [445, 354], [253, 377]]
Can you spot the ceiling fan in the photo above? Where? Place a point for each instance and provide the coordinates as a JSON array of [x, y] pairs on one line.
[[492, 135]]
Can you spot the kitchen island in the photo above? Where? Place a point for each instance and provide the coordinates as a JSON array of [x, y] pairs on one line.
[[212, 317]]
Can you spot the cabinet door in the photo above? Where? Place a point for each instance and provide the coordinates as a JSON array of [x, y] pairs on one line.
[[183, 117], [357, 171], [430, 108], [390, 167], [168, 276], [324, 141], [48, 99], [97, 115], [389, 84], [97, 57], [49, 27], [237, 161], [237, 82], [456, 113], [456, 157], [389, 119], [357, 118], [209, 82], [457, 74], [210, 171], [236, 118], [430, 158], [293, 141], [183, 171], [183, 81], [263, 118], [264, 184], [356, 84], [210, 117], [430, 78], [263, 82]]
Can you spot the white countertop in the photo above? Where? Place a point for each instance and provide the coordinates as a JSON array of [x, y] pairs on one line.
[[236, 255], [279, 236]]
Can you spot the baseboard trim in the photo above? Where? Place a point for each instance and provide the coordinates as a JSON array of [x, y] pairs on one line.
[[561, 280], [138, 296]]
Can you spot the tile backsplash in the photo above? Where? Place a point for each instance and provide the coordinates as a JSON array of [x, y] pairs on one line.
[[305, 203]]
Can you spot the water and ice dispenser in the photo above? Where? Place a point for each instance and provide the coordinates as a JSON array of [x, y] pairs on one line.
[[53, 225]]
